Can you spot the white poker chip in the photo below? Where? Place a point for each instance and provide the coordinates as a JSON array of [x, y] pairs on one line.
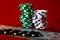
[[43, 12], [42, 26], [39, 24], [38, 20]]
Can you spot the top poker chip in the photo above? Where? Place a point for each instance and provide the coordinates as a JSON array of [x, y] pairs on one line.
[[25, 6]]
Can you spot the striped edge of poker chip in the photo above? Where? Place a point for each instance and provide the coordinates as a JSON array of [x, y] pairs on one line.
[[37, 20], [42, 13], [28, 24], [25, 19], [27, 15], [43, 26], [28, 10]]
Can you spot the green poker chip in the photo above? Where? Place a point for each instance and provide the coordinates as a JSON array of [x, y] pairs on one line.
[[25, 25], [25, 6], [27, 16], [25, 20], [29, 10], [28, 23]]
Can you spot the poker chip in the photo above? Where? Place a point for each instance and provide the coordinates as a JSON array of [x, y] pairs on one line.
[[41, 13], [40, 25], [25, 6], [27, 24]]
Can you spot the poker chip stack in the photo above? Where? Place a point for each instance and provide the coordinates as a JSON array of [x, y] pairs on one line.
[[27, 13], [39, 19]]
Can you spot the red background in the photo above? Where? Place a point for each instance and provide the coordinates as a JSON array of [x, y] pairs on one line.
[[9, 14]]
